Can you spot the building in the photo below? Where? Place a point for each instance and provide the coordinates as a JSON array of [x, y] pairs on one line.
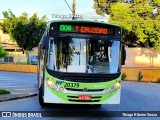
[[15, 53]]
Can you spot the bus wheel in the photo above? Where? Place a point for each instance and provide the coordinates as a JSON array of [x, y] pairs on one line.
[[41, 101]]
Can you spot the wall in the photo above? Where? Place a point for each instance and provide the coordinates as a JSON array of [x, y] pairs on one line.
[[18, 68], [18, 56], [144, 60], [149, 74], [142, 57]]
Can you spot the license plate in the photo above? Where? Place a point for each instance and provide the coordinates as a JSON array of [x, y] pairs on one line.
[[84, 97]]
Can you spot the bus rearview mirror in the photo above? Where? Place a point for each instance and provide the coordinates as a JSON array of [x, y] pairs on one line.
[[123, 55]]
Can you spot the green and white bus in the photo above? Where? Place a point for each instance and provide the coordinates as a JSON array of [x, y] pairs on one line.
[[80, 63]]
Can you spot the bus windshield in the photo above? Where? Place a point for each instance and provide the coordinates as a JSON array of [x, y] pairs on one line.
[[83, 55]]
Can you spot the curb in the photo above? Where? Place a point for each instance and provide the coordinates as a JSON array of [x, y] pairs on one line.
[[18, 97], [154, 84]]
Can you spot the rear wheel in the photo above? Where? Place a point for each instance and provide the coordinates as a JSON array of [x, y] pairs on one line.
[[41, 101]]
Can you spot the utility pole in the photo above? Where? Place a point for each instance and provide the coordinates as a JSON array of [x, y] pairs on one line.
[[74, 10]]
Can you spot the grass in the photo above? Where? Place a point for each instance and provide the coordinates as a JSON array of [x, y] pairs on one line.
[[158, 80], [4, 92], [140, 76], [124, 76]]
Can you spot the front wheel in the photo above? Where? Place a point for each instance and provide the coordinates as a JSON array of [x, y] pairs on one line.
[[41, 101]]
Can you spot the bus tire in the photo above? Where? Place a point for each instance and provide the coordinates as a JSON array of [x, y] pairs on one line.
[[41, 101]]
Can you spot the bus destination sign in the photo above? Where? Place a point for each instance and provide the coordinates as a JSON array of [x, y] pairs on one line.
[[84, 29]]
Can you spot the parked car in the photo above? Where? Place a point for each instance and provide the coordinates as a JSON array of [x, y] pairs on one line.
[[33, 60]]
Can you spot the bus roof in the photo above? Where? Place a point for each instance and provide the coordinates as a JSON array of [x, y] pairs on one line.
[[83, 21]]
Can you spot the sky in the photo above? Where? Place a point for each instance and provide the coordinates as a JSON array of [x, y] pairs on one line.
[[47, 7]]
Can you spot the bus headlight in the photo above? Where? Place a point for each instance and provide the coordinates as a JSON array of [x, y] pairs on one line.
[[49, 83], [117, 85]]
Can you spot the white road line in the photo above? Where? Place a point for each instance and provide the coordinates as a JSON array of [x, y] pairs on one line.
[[17, 86], [10, 84], [7, 82], [25, 89], [23, 93], [18, 93], [5, 78], [12, 81]]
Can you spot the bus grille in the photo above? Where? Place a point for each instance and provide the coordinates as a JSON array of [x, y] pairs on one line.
[[83, 100]]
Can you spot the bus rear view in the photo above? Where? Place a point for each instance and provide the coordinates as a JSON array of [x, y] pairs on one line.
[[80, 63]]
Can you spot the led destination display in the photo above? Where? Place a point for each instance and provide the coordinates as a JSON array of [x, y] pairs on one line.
[[85, 29]]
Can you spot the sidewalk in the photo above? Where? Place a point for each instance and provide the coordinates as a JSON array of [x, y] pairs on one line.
[[16, 95]]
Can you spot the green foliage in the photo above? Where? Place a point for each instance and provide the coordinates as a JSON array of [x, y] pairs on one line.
[[4, 92], [26, 31], [158, 80], [3, 53], [9, 24], [124, 75], [136, 17], [140, 76]]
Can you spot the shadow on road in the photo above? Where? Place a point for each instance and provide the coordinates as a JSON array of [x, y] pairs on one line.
[[67, 110]]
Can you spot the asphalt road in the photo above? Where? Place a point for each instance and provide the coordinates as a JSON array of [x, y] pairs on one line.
[[18, 82], [135, 96]]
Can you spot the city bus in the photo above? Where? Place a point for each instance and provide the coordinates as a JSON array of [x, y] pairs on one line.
[[79, 62]]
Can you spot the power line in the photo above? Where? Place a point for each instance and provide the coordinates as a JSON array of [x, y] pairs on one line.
[[68, 5]]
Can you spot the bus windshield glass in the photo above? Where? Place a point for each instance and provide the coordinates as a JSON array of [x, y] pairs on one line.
[[83, 55]]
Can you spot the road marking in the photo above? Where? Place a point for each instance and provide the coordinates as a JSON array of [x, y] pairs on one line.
[[17, 83], [17, 93], [9, 81], [6, 79], [25, 89], [24, 93], [3, 77], [18, 86], [11, 84]]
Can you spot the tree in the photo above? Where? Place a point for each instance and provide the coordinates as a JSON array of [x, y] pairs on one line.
[[26, 31], [136, 17], [150, 53], [3, 53]]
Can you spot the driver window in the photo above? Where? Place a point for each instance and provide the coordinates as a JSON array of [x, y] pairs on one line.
[[99, 55], [102, 52], [99, 50]]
